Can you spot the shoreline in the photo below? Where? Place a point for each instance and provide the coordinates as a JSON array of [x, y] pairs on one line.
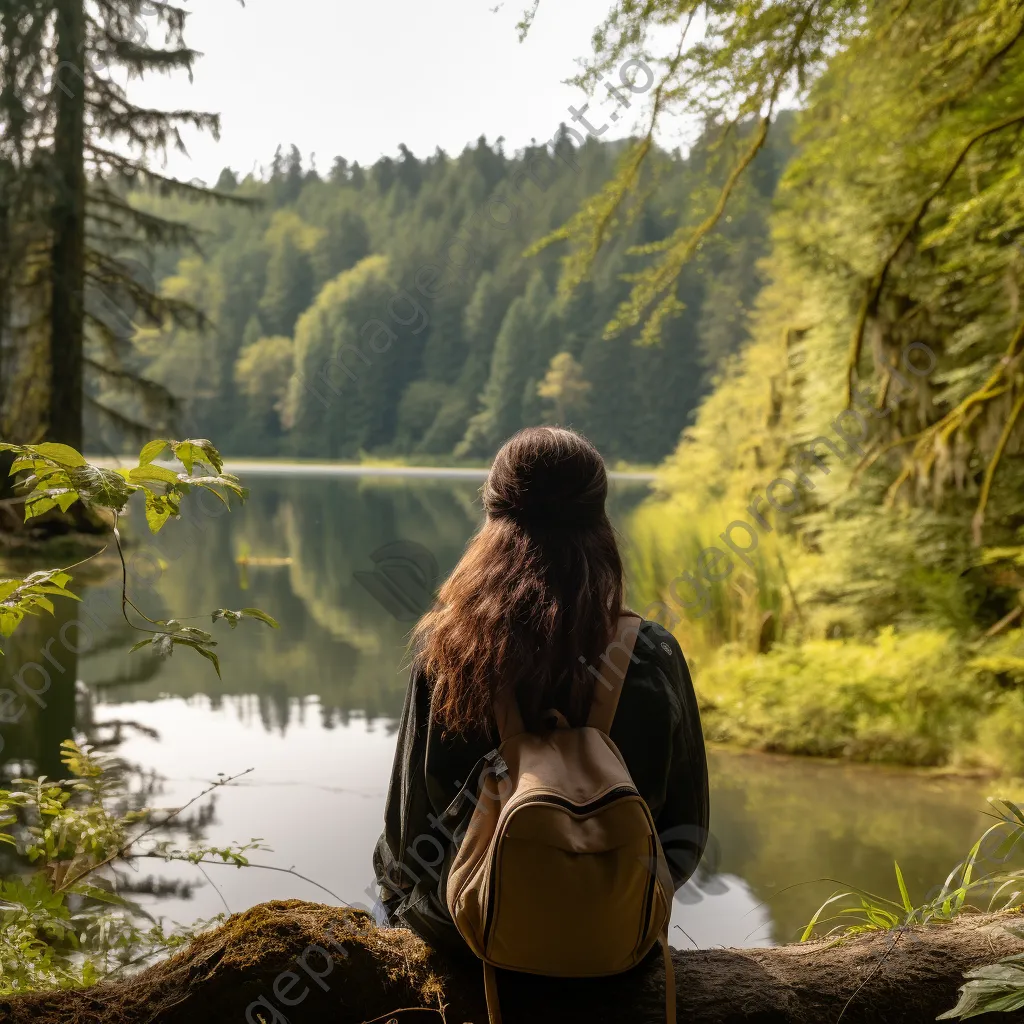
[[271, 467]]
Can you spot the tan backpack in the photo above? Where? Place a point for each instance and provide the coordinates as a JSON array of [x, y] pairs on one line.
[[561, 871]]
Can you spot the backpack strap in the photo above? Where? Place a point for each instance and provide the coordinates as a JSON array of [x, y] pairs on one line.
[[670, 980], [614, 664], [491, 995]]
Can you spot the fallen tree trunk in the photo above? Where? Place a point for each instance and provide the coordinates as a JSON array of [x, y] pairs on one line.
[[303, 962]]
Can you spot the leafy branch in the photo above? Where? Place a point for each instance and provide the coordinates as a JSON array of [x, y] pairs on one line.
[[873, 290], [56, 476], [61, 925]]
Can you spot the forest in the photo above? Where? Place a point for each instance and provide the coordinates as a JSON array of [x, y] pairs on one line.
[[877, 467], [474, 341], [806, 324]]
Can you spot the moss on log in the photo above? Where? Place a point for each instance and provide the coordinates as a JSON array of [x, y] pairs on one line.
[[304, 962]]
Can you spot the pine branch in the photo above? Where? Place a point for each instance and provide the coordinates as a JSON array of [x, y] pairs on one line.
[[130, 166], [155, 393], [119, 420]]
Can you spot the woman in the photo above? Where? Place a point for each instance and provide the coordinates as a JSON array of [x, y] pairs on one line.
[[530, 609]]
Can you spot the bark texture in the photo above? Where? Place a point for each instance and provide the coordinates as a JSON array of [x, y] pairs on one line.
[[67, 258], [304, 962]]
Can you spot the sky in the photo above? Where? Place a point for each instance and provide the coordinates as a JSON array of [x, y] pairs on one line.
[[336, 77]]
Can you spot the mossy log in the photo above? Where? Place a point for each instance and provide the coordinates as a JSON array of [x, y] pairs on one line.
[[304, 962]]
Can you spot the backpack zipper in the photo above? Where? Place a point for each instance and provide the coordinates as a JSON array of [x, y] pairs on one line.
[[560, 801]]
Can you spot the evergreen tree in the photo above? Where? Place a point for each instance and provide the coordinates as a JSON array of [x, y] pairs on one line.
[[517, 363], [82, 126], [565, 387], [344, 242], [289, 287]]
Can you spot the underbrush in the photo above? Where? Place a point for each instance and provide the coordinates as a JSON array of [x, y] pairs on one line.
[[911, 698]]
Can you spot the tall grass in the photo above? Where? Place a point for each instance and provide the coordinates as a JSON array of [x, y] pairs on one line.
[[968, 888], [745, 611], [999, 890]]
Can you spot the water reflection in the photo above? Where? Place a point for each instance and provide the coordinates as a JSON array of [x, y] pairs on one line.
[[312, 707]]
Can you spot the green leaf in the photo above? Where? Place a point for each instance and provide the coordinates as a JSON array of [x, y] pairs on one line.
[[62, 454], [140, 644], [159, 473], [808, 931], [96, 893], [157, 515], [152, 450], [231, 617], [197, 450], [10, 618], [209, 655], [65, 498], [191, 632], [101, 487], [904, 895], [256, 613], [234, 617], [1016, 811], [212, 490], [37, 504]]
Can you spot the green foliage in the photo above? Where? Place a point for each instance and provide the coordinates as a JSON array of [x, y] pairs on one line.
[[969, 887], [63, 922], [31, 596], [58, 476], [899, 698], [565, 386], [994, 988], [262, 373], [234, 617], [1000, 733], [422, 259], [891, 297], [732, 76], [967, 882], [81, 291]]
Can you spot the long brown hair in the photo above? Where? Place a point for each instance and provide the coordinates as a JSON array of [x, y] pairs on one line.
[[535, 599]]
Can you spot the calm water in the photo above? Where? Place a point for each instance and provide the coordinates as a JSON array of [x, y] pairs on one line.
[[312, 708]]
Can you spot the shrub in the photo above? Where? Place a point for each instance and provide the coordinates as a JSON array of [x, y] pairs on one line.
[[899, 698]]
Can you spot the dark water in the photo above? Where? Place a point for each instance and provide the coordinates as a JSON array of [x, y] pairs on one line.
[[312, 708]]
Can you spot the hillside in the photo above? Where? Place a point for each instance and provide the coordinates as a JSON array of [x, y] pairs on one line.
[[391, 310]]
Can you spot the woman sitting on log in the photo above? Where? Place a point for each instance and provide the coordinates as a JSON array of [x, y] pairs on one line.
[[530, 667]]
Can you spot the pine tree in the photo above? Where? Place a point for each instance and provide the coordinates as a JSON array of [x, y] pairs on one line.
[[344, 242], [564, 386], [518, 362], [83, 126], [289, 287]]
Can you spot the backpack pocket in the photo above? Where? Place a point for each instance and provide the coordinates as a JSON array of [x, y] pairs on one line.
[[570, 891]]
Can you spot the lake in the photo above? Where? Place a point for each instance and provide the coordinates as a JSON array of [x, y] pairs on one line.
[[312, 709]]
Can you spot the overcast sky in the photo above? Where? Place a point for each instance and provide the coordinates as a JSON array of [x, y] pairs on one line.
[[356, 79]]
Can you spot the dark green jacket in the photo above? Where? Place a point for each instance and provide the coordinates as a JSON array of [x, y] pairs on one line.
[[434, 783]]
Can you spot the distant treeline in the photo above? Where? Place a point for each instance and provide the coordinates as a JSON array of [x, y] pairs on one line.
[[392, 309]]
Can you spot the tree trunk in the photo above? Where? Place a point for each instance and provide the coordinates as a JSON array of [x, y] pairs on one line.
[[67, 270], [302, 962]]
